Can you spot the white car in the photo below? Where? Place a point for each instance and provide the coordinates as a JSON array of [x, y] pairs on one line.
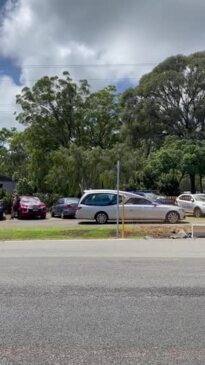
[[192, 203], [101, 206]]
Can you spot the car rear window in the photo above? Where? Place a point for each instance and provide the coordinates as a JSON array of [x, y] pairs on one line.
[[72, 200]]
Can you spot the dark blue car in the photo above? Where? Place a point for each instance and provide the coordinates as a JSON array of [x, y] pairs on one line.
[[64, 207], [1, 210]]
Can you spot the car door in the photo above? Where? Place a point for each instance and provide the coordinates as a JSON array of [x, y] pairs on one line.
[[142, 209], [61, 204], [58, 206], [54, 208], [190, 204], [185, 201]]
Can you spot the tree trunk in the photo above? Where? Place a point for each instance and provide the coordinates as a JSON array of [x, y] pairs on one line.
[[200, 183], [192, 183]]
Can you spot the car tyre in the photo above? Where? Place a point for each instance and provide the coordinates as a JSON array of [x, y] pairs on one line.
[[172, 217], [197, 212], [62, 215], [43, 216], [101, 218], [19, 215], [52, 215]]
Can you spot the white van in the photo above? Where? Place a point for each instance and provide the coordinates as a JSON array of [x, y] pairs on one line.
[[101, 206]]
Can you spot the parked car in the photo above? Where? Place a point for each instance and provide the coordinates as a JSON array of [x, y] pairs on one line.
[[30, 206], [1, 210], [156, 196], [192, 203], [64, 207], [101, 206]]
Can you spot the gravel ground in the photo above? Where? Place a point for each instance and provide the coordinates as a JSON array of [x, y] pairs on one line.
[[49, 222]]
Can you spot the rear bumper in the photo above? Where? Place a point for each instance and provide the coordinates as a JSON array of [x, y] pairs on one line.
[[69, 212]]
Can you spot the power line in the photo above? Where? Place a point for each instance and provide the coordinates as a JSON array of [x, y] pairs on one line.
[[82, 78], [139, 64]]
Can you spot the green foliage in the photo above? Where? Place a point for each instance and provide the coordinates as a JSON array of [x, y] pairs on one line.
[[73, 137], [75, 169], [24, 187], [7, 202], [177, 158], [101, 119], [170, 100]]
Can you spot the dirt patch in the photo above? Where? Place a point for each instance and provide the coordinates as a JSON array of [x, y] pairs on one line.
[[157, 231]]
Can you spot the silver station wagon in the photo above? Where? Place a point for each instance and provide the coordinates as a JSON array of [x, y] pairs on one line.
[[101, 206]]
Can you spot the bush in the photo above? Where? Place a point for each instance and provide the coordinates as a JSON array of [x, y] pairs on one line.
[[7, 201], [24, 187], [48, 199]]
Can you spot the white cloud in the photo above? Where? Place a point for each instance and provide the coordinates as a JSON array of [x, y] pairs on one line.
[[8, 92], [38, 33]]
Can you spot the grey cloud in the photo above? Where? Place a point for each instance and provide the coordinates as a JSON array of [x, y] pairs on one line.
[[42, 32]]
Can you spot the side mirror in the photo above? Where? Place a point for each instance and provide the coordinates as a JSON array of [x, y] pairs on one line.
[[192, 200]]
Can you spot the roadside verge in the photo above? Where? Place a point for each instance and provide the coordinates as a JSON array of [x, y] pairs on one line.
[[86, 232]]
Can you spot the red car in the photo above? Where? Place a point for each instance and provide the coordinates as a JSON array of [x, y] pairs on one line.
[[30, 206]]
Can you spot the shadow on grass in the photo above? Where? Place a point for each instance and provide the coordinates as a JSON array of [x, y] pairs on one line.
[[138, 223]]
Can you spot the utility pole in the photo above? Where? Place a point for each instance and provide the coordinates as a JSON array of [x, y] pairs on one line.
[[118, 188]]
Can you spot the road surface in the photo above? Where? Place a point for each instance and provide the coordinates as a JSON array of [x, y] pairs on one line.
[[102, 302]]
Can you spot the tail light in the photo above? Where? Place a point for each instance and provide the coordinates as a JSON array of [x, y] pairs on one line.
[[68, 206]]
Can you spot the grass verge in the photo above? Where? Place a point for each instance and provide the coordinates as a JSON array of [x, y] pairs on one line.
[[90, 231], [33, 233]]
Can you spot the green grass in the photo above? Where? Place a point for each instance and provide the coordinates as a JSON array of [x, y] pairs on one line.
[[33, 233]]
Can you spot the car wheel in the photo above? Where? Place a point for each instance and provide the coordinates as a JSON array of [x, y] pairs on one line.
[[52, 215], [101, 218], [172, 217], [62, 215], [197, 212], [19, 215], [43, 216]]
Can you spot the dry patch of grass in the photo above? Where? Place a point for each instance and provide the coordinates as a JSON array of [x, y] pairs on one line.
[[156, 231]]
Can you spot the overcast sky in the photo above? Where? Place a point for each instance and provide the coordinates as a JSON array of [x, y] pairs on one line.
[[37, 37]]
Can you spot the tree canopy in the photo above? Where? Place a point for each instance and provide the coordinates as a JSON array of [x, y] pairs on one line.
[[73, 135]]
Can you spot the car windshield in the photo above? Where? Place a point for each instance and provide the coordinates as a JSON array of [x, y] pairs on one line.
[[200, 197], [32, 200], [72, 200]]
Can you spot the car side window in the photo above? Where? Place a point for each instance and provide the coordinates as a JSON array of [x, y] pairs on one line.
[[99, 199], [139, 201], [186, 198], [60, 201], [114, 199]]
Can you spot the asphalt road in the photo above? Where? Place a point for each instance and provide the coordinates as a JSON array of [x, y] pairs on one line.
[[102, 302]]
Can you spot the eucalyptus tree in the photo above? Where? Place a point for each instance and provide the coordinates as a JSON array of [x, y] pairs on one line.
[[170, 100]]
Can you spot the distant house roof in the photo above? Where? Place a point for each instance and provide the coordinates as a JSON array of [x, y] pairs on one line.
[[5, 178]]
